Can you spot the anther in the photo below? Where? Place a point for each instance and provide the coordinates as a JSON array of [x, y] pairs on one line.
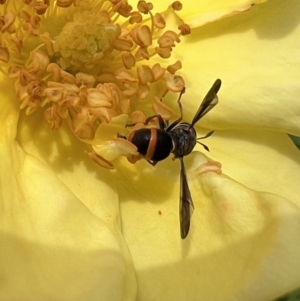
[[177, 5]]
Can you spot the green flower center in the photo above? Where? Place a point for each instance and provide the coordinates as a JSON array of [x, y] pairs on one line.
[[86, 40]]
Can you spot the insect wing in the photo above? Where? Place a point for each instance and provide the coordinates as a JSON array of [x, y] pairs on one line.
[[186, 206], [209, 101]]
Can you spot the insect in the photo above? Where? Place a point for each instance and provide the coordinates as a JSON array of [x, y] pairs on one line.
[[178, 138]]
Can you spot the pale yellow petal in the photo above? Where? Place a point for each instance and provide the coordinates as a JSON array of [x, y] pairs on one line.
[[256, 55], [197, 13], [262, 160], [243, 242], [60, 232]]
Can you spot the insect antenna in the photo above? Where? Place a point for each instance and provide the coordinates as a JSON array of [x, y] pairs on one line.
[[204, 137]]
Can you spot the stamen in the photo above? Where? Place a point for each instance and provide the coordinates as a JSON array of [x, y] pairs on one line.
[[76, 59], [175, 67], [136, 17], [159, 21], [101, 161], [177, 5], [4, 53], [161, 109], [144, 7]]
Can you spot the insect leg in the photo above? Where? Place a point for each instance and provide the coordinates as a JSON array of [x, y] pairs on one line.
[[121, 136], [161, 122], [153, 163], [174, 123]]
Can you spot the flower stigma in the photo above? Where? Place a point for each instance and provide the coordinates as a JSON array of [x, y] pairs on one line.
[[94, 65]]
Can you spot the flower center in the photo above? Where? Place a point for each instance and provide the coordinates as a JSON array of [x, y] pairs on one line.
[[85, 41], [88, 61]]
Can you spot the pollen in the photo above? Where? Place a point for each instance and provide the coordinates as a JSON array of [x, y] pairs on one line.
[[86, 62], [86, 41]]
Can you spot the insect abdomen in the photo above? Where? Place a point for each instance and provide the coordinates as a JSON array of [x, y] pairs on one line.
[[153, 144]]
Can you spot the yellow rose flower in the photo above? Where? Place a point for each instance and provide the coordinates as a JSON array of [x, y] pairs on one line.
[[71, 230]]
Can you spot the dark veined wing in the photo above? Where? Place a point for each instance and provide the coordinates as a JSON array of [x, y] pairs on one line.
[[209, 101], [186, 206]]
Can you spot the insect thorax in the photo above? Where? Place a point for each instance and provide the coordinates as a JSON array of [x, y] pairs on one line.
[[184, 138]]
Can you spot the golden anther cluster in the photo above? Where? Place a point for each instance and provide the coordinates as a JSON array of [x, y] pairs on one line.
[[87, 61]]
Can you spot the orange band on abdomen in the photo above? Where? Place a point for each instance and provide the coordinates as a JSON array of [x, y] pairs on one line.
[[152, 144]]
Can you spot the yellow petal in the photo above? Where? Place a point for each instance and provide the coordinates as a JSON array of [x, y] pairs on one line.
[[241, 240], [256, 56], [202, 12], [58, 229], [262, 160], [197, 13]]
